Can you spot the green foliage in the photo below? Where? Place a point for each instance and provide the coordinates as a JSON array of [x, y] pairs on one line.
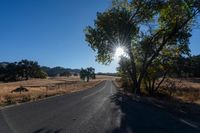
[[187, 67], [66, 74], [111, 30], [151, 31], [124, 72], [10, 72], [29, 69], [22, 70], [55, 71], [40, 74], [86, 74]]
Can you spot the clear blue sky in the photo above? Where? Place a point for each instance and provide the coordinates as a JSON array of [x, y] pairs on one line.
[[51, 32]]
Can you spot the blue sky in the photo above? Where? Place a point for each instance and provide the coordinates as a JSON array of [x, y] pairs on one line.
[[51, 32]]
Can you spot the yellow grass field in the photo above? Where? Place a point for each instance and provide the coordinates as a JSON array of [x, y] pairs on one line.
[[41, 88], [187, 90]]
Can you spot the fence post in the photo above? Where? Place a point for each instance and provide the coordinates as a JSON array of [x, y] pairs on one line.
[[47, 87]]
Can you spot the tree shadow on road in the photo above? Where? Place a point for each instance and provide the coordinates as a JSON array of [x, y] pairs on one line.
[[45, 130], [142, 117]]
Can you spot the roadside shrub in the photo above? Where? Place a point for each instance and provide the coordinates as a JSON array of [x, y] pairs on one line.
[[20, 90], [40, 96], [25, 98], [9, 99]]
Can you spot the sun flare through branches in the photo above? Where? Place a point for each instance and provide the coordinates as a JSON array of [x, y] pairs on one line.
[[119, 52]]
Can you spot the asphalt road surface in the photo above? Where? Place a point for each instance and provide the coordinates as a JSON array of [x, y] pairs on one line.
[[98, 110]]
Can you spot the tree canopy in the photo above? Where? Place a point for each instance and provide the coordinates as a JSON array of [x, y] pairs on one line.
[[86, 74], [22, 70], [150, 31]]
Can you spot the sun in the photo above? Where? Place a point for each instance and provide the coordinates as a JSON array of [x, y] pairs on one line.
[[119, 52]]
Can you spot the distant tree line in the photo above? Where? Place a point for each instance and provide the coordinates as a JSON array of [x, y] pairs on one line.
[[187, 67], [65, 74], [22, 70], [60, 71]]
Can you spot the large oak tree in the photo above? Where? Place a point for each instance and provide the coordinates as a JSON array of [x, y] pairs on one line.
[[145, 29]]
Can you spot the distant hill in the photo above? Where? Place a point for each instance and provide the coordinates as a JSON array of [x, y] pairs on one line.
[[58, 70], [3, 64], [50, 71]]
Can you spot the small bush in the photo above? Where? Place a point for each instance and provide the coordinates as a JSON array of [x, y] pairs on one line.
[[40, 96], [9, 99], [20, 89], [25, 98]]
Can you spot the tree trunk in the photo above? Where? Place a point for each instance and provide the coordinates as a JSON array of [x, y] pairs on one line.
[[88, 78], [136, 88], [164, 76]]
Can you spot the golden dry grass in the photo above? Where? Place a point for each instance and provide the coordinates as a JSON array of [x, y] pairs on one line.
[[187, 90], [40, 88]]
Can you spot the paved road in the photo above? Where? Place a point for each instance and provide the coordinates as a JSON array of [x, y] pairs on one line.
[[98, 110]]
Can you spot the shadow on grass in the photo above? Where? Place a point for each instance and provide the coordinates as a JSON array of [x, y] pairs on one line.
[[178, 107], [142, 116], [194, 80]]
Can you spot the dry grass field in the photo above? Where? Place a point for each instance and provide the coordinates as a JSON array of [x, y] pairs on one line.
[[187, 90], [41, 88], [180, 96]]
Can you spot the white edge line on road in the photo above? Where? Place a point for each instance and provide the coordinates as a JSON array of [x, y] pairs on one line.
[[189, 123]]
